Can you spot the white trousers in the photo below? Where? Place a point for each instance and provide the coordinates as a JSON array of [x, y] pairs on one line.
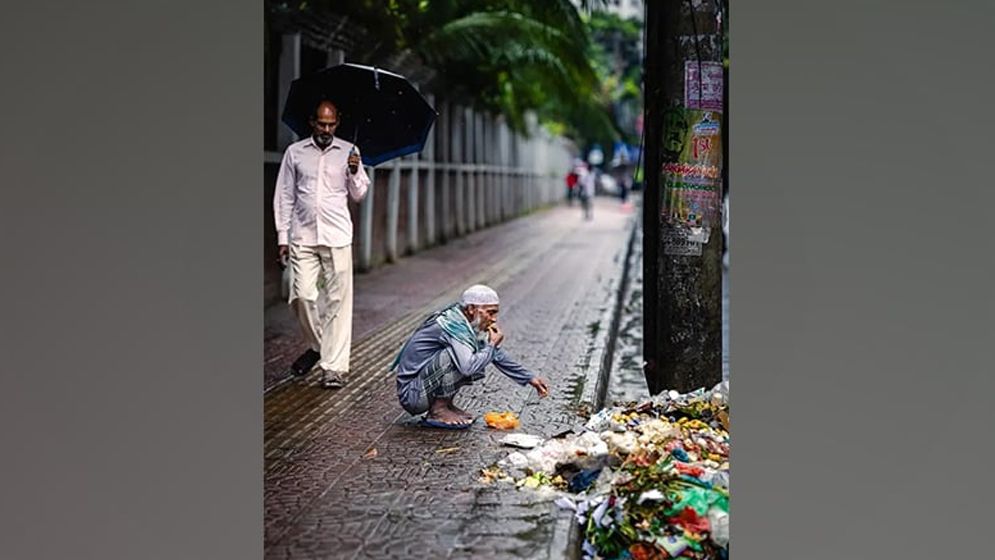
[[329, 333]]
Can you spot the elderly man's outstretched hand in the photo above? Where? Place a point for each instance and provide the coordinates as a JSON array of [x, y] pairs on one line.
[[540, 386]]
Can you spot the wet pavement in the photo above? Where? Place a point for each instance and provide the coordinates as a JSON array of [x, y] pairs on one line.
[[627, 382], [349, 475]]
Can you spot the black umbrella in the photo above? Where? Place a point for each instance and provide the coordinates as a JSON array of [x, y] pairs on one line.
[[379, 111]]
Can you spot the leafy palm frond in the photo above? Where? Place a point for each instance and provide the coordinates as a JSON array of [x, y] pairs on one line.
[[486, 34], [561, 14], [529, 62]]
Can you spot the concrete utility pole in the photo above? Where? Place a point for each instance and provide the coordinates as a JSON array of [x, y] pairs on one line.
[[682, 254]]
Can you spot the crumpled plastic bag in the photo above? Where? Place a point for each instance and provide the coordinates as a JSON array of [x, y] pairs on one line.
[[719, 522], [657, 431], [689, 520], [720, 394], [515, 460], [583, 480], [600, 421], [620, 442], [586, 451], [603, 484], [590, 443], [650, 496], [673, 544], [563, 502], [716, 478], [697, 498], [546, 457]]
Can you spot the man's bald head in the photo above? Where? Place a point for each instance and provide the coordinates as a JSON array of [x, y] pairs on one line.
[[326, 109], [324, 122]]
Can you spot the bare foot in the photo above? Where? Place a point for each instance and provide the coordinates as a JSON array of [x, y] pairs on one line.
[[447, 417], [464, 414]]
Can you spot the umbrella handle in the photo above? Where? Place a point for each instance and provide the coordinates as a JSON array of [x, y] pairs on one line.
[[353, 168], [353, 149]]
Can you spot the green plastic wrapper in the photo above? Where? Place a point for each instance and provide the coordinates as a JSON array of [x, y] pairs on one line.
[[697, 498]]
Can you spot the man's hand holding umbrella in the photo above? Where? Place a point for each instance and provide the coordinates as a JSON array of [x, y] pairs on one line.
[[353, 161]]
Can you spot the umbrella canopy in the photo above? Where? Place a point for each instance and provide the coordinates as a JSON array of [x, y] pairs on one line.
[[379, 111]]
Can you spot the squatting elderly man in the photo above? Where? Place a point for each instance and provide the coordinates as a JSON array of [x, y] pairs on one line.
[[449, 351]]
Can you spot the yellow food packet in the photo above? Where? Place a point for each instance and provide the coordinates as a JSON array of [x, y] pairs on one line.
[[501, 420]]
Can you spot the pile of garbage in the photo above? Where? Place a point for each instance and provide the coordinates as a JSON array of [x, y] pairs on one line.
[[646, 480]]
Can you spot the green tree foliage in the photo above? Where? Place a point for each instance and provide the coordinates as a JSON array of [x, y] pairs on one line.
[[615, 52], [504, 56]]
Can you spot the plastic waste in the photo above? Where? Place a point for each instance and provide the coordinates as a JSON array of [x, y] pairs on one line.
[[583, 480], [698, 498], [563, 502], [651, 496], [689, 520], [657, 431], [524, 441], [623, 442], [515, 460], [719, 521], [590, 443], [600, 421], [674, 545], [680, 455], [641, 478]]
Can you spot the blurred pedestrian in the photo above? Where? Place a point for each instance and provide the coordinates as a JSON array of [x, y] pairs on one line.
[[571, 180], [586, 188], [314, 233]]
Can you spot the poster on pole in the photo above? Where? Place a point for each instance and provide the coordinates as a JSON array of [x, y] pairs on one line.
[[691, 179], [703, 83]]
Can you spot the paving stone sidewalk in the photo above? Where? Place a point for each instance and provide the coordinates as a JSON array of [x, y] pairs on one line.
[[419, 497]]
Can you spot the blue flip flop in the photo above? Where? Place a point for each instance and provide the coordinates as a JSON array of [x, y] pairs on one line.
[[430, 423]]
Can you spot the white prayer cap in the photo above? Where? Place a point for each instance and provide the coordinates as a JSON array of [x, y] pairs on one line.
[[479, 295]]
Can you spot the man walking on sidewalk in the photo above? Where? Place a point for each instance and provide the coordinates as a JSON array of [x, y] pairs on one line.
[[449, 351], [314, 233], [586, 190]]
